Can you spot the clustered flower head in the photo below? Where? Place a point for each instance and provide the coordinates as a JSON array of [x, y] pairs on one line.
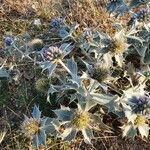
[[139, 104], [36, 44], [57, 22], [52, 54], [42, 84], [100, 73], [142, 15], [9, 41]]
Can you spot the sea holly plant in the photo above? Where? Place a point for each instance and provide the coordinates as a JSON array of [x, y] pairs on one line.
[[136, 122], [53, 55], [79, 119], [35, 127], [134, 105], [92, 74], [129, 95]]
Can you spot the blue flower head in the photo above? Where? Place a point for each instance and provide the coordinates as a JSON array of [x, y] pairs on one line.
[[141, 15], [57, 22], [9, 41], [138, 104], [52, 53]]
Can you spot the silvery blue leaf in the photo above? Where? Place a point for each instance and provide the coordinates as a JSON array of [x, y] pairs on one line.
[[48, 65], [90, 104], [66, 48], [111, 7], [3, 73], [122, 9], [63, 33], [141, 49], [43, 121], [135, 38], [146, 58], [35, 141], [88, 135], [64, 115], [48, 125], [52, 89], [112, 105], [42, 137], [101, 98], [144, 130], [69, 136], [132, 132], [36, 113], [93, 86], [51, 69], [72, 65]]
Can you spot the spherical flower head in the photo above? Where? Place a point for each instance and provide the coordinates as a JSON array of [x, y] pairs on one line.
[[100, 73], [42, 84], [53, 54], [36, 44], [30, 127], [142, 15], [139, 103], [81, 120], [9, 41], [56, 22]]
